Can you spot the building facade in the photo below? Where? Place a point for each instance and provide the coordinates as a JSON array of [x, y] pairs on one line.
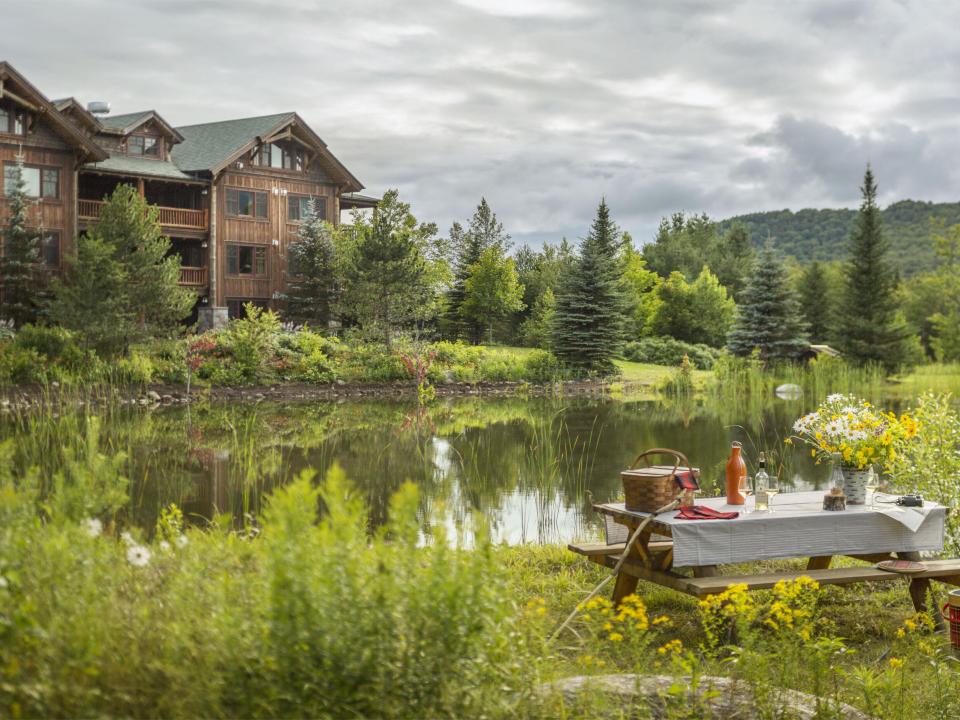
[[230, 195]]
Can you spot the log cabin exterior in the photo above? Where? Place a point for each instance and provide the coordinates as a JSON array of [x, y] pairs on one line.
[[230, 194]]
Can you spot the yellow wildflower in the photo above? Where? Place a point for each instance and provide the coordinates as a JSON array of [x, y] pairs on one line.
[[661, 620], [615, 637], [896, 663]]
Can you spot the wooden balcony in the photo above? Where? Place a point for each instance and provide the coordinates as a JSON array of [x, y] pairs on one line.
[[193, 276], [174, 218]]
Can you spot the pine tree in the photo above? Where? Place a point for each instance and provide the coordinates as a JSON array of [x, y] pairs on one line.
[[484, 231], [388, 277], [315, 285], [768, 318], [92, 297], [154, 297], [588, 321], [21, 273], [871, 329], [816, 302]]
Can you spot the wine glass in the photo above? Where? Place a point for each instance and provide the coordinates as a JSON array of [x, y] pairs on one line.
[[746, 490], [773, 487], [872, 485]]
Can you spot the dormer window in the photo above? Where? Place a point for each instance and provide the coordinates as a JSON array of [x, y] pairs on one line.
[[281, 157], [145, 145]]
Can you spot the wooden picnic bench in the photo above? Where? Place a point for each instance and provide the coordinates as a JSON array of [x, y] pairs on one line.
[[651, 559]]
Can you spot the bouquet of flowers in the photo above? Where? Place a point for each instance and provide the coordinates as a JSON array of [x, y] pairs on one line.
[[855, 430]]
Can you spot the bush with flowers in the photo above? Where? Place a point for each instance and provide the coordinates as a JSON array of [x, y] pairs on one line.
[[852, 428]]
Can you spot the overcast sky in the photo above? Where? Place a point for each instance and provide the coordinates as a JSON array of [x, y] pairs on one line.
[[544, 106]]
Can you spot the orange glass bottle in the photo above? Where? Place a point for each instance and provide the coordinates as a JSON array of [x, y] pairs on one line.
[[736, 473]]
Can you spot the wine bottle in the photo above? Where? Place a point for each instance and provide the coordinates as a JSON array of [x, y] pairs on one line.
[[761, 486]]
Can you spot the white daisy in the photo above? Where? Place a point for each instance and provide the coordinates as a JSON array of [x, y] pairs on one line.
[[4, 583], [127, 538], [834, 427], [93, 527], [182, 541], [835, 397], [164, 545], [138, 555]]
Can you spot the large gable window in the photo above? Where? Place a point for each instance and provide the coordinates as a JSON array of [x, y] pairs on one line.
[[145, 145], [41, 182], [280, 156], [13, 121], [246, 203]]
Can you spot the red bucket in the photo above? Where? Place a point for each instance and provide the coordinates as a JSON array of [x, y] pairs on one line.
[[951, 613]]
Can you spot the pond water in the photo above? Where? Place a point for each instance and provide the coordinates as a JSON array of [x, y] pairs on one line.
[[532, 466]]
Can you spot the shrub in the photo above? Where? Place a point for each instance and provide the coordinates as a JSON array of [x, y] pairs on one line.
[[20, 365], [56, 344], [136, 369], [541, 367], [669, 351]]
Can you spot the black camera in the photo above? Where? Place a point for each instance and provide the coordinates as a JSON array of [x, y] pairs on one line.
[[910, 501]]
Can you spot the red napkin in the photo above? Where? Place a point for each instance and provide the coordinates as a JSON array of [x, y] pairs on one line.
[[702, 512]]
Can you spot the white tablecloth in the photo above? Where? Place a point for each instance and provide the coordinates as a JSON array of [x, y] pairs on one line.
[[798, 527]]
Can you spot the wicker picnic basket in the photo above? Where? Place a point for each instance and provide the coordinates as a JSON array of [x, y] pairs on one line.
[[651, 487]]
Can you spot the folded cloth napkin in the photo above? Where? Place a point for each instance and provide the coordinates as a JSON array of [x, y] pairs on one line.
[[910, 517], [702, 512]]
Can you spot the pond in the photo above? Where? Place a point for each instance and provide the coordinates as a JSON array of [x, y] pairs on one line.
[[532, 466]]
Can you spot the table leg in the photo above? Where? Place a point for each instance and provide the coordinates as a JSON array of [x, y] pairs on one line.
[[639, 552], [704, 571], [821, 562], [919, 588]]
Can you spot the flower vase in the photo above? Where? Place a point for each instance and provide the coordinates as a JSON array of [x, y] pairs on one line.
[[855, 485]]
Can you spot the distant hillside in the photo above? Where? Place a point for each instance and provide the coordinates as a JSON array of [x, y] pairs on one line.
[[822, 234]]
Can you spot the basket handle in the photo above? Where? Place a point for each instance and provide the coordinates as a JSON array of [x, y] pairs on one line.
[[677, 455]]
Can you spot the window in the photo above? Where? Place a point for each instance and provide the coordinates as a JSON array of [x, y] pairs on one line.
[[246, 203], [280, 157], [40, 182], [236, 309], [50, 249], [246, 260], [13, 121], [147, 145], [298, 207]]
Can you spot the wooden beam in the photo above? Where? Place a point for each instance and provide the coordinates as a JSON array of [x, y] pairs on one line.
[[5, 92]]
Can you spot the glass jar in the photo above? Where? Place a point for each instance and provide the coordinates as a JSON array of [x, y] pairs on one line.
[[836, 473]]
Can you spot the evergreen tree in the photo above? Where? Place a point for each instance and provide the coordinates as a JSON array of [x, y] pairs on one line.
[[484, 231], [92, 298], [816, 301], [150, 301], [535, 331], [588, 321], [871, 329], [389, 274], [314, 286], [154, 297], [769, 317], [21, 273], [492, 291]]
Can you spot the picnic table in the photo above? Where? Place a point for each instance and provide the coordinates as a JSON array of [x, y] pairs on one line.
[[685, 554]]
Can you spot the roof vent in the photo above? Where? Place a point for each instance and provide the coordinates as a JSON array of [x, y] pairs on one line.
[[98, 107]]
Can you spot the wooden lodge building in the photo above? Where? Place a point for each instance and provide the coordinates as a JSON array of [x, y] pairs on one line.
[[230, 194]]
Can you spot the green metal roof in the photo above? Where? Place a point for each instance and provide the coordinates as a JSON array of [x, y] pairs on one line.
[[129, 165], [210, 145], [122, 122]]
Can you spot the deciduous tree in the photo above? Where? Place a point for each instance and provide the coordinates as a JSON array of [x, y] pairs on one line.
[[491, 291]]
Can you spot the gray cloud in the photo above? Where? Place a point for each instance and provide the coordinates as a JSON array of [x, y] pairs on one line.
[[544, 106]]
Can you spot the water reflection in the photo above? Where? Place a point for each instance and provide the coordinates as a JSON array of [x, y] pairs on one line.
[[532, 466]]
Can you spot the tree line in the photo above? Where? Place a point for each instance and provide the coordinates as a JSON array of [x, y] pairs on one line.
[[389, 274]]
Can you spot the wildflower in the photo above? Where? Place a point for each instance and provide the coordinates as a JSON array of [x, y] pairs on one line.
[[896, 663], [138, 555], [164, 545], [661, 620], [674, 647], [4, 583], [127, 538], [182, 541], [93, 527], [615, 637]]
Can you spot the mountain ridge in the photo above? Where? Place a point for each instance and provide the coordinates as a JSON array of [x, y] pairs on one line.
[[821, 234]]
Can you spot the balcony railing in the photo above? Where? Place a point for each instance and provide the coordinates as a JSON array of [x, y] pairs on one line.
[[193, 276], [183, 218]]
